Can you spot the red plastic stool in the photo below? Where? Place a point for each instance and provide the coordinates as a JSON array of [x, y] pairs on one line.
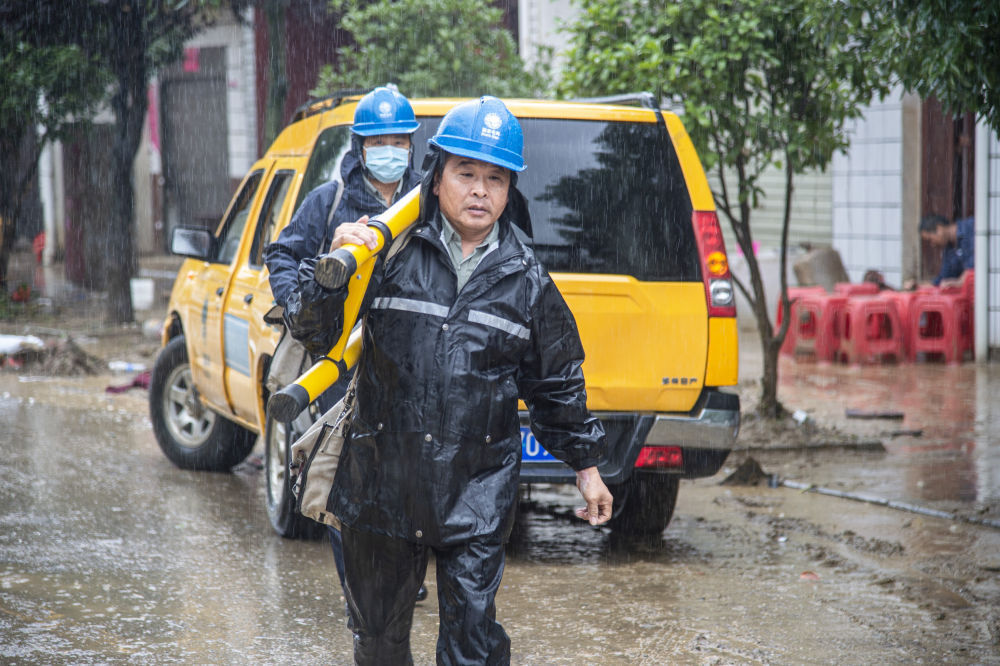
[[872, 331], [855, 288], [903, 300], [794, 294], [940, 325], [816, 321], [969, 285]]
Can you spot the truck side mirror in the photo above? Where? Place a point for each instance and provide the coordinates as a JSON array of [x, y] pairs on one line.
[[191, 242]]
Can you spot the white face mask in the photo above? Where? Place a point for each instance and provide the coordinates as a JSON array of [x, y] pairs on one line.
[[386, 163]]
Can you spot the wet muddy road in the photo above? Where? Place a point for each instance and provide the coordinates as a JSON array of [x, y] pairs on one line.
[[109, 554]]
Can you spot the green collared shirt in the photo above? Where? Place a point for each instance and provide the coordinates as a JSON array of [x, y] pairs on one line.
[[465, 266], [370, 186]]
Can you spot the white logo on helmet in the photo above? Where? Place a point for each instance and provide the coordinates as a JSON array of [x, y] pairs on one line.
[[385, 110], [491, 126]]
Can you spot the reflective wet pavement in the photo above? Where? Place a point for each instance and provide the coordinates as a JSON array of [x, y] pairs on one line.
[[109, 554], [943, 453]]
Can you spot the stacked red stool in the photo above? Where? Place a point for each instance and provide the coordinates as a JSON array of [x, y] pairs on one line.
[[903, 301], [858, 323], [969, 285], [872, 330], [940, 324], [794, 293], [814, 326]]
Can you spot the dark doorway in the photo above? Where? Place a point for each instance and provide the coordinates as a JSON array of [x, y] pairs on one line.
[[197, 188], [947, 172]]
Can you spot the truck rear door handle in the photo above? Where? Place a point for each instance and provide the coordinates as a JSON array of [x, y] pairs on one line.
[[248, 298], [218, 292]]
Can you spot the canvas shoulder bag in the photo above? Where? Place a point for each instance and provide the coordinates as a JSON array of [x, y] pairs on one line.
[[315, 456]]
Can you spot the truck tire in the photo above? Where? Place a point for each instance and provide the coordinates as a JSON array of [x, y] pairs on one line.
[[281, 509], [190, 434], [644, 504]]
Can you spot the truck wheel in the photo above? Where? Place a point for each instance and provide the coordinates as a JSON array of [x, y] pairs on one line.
[[281, 510], [190, 434], [644, 504]]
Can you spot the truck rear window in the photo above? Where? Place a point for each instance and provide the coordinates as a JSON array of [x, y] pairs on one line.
[[605, 197]]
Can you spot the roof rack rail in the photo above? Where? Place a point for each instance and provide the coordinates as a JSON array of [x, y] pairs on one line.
[[318, 105], [644, 98]]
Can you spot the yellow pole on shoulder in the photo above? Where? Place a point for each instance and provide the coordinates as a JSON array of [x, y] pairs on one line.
[[351, 264]]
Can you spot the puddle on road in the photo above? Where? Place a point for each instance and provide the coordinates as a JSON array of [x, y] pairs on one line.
[[955, 459]]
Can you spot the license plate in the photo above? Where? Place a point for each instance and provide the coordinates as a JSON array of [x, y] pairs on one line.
[[531, 450]]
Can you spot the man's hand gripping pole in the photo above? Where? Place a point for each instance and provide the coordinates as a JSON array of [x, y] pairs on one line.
[[354, 264]]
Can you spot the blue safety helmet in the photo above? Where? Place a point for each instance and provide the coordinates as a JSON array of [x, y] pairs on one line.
[[384, 111], [484, 130]]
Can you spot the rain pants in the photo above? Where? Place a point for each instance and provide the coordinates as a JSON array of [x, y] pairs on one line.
[[383, 575]]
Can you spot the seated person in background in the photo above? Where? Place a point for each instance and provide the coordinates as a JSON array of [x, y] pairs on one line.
[[958, 240], [872, 275]]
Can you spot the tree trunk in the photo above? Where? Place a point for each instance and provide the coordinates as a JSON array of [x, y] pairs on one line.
[[769, 404], [129, 104], [6, 245], [19, 164]]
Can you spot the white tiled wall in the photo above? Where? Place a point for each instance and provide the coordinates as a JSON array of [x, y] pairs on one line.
[[867, 193]]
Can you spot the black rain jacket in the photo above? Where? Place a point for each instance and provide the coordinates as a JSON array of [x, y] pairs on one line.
[[308, 235], [433, 453]]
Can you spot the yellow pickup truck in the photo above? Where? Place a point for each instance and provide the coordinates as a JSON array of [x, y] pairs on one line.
[[622, 217]]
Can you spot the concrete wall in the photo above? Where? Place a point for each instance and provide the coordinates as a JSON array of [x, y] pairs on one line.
[[241, 141], [810, 221], [539, 23], [241, 103], [991, 263], [142, 185], [868, 193]]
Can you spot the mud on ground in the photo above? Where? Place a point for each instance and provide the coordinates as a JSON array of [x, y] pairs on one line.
[[78, 344], [801, 429]]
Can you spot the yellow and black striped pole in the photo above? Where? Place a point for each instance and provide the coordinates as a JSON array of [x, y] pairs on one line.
[[353, 264]]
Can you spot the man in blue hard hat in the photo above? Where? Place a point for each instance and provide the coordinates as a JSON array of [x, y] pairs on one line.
[[460, 323], [374, 173]]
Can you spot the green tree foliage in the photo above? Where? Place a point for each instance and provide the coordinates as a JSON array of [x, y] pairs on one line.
[[948, 49], [44, 89], [429, 48], [759, 83]]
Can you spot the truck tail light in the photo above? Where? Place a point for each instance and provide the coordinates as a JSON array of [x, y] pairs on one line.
[[660, 457], [719, 289]]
